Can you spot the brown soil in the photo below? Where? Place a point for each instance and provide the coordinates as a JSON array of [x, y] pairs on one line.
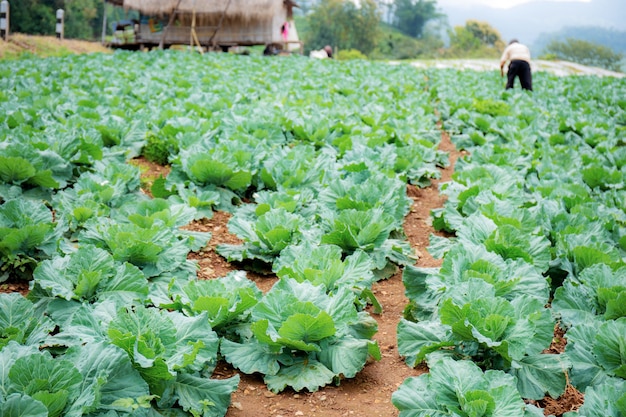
[[369, 393], [558, 341], [571, 400], [14, 286]]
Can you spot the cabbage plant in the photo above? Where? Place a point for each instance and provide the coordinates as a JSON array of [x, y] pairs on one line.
[[303, 338], [461, 388], [28, 234]]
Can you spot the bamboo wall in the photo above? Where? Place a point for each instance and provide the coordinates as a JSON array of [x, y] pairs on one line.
[[231, 32]]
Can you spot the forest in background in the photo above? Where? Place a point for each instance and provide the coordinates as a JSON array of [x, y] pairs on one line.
[[398, 29]]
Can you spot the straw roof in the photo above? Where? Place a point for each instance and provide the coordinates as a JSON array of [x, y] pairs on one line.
[[239, 9]]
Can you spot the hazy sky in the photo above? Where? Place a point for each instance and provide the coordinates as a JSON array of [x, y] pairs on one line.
[[500, 4]]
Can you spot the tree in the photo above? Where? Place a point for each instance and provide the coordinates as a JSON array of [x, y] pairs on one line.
[[394, 45], [82, 19], [411, 16], [34, 17], [303, 7], [475, 39], [586, 53], [343, 24], [385, 7], [462, 39], [485, 33]]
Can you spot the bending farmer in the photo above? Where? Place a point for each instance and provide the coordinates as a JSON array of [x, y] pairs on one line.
[[518, 56]]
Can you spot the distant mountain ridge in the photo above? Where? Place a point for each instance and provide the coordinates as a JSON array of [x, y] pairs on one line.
[[614, 39], [527, 21]]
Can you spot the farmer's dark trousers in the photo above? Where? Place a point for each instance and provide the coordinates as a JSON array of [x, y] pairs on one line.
[[521, 69]]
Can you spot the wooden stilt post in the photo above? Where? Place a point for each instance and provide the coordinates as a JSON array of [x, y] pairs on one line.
[[219, 24], [193, 25], [169, 23], [193, 36], [104, 21]]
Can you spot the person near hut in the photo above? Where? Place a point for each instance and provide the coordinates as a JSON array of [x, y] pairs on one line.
[[271, 49], [518, 57], [284, 31], [324, 53]]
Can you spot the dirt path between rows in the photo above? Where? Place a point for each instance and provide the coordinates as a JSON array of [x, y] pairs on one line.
[[369, 393]]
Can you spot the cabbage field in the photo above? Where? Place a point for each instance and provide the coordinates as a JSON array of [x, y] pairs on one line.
[[312, 160]]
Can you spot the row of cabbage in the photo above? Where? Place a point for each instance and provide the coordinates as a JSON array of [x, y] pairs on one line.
[[538, 214], [312, 160]]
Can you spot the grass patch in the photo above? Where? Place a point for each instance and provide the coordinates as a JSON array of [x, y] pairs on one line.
[[22, 46]]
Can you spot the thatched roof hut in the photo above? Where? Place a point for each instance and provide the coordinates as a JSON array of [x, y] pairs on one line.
[[215, 22], [240, 9]]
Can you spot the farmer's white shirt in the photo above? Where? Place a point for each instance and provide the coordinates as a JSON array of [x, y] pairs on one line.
[[515, 51]]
